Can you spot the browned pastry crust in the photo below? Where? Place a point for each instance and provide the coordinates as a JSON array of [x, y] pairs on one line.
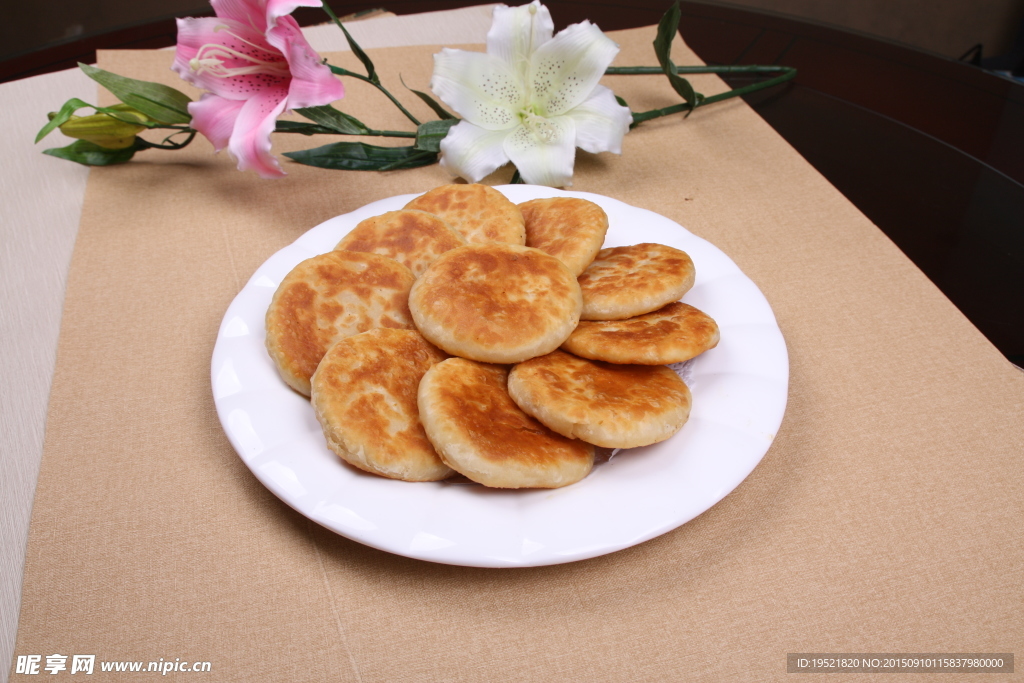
[[479, 212], [413, 238], [480, 432], [570, 229], [614, 406], [327, 298], [673, 334], [496, 303], [623, 282], [364, 393]]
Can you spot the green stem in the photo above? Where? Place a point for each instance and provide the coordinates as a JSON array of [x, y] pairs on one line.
[[640, 117], [169, 145], [657, 70], [368, 133], [373, 81], [392, 133], [334, 17], [788, 73], [345, 72]]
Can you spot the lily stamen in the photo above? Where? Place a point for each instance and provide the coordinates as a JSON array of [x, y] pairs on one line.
[[540, 127], [211, 57]]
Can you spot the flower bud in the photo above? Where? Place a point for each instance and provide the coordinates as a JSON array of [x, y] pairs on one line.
[[105, 130]]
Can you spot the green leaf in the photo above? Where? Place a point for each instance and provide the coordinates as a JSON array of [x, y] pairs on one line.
[[337, 121], [430, 134], [432, 103], [155, 100], [62, 116], [684, 89], [302, 128], [358, 52], [441, 112], [359, 156], [90, 154], [667, 29]]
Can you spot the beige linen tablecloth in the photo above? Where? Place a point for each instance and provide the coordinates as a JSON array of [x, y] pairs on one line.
[[885, 518]]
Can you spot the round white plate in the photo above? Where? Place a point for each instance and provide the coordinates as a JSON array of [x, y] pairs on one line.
[[739, 395]]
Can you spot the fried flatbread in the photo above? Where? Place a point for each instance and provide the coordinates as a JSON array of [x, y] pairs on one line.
[[364, 393], [672, 334], [413, 238], [479, 212], [480, 432], [623, 282], [614, 406], [327, 298], [496, 303], [570, 229]]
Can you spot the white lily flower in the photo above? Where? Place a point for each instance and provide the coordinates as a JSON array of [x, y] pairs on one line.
[[531, 99]]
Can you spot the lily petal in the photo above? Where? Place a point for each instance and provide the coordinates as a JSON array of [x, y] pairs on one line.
[[566, 68], [472, 152], [546, 160], [601, 122], [250, 140], [279, 8], [200, 38], [215, 117], [252, 13], [193, 34], [479, 87], [312, 83], [517, 31]]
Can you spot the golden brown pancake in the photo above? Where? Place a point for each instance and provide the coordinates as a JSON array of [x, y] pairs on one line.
[[327, 298], [479, 432], [623, 282], [479, 212], [413, 238], [364, 395], [615, 406], [570, 229], [496, 303], [673, 334]]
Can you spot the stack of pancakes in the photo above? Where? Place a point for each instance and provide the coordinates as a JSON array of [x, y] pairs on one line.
[[466, 334]]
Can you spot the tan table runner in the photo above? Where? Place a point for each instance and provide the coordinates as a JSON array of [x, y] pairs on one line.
[[885, 518]]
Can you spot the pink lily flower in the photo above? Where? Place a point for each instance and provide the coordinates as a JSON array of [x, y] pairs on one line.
[[255, 63]]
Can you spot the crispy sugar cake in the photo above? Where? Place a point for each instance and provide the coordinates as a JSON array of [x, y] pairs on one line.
[[672, 334], [614, 406], [623, 282], [327, 298], [570, 229], [496, 303], [364, 394], [480, 432], [413, 238], [479, 212]]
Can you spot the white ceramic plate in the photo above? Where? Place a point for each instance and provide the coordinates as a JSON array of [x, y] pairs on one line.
[[739, 395]]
